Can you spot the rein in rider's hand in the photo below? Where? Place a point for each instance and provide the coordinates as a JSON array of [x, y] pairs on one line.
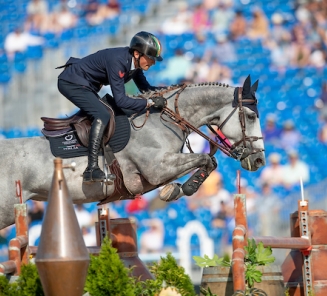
[[157, 102]]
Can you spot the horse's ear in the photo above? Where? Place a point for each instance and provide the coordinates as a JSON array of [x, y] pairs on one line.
[[254, 87], [247, 86]]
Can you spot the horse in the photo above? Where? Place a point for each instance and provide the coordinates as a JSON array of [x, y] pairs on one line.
[[153, 155]]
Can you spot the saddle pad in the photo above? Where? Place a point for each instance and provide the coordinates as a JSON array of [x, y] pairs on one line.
[[122, 133], [68, 145]]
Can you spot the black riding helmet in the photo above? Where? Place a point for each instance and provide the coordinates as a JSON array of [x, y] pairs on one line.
[[147, 44]]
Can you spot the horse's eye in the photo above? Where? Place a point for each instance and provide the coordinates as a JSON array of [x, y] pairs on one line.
[[251, 117]]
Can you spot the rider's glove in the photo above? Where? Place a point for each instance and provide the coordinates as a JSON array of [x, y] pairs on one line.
[[159, 102]]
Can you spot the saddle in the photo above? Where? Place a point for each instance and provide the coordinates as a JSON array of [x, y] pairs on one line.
[[55, 127], [69, 137]]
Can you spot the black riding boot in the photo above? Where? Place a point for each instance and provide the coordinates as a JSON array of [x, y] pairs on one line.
[[93, 173]]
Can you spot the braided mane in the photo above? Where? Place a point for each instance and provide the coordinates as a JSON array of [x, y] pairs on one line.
[[150, 92]]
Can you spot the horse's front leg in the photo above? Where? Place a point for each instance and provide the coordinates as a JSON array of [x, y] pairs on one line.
[[175, 165]]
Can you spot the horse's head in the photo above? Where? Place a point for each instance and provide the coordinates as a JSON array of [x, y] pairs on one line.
[[233, 110], [241, 127]]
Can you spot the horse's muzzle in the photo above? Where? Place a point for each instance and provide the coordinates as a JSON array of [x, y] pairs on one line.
[[253, 161]]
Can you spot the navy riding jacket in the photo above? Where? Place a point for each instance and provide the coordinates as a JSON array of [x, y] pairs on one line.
[[108, 67]]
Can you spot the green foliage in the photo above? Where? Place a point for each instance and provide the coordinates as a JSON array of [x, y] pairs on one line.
[[148, 287], [252, 275], [173, 275], [27, 284], [256, 255], [206, 292], [4, 286], [107, 274], [206, 261]]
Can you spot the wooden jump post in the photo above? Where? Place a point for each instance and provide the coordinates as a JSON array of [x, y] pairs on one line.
[[18, 246], [308, 244]]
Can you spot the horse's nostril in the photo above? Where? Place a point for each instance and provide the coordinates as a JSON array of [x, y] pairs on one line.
[[259, 162]]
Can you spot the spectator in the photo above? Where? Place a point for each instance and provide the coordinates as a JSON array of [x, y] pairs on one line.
[[323, 98], [289, 138], [84, 218], [259, 28], [200, 19], [278, 33], [36, 211], [136, 205], [251, 202], [89, 236], [317, 57], [177, 68], [299, 48], [322, 132], [111, 9], [223, 50], [272, 175], [219, 198], [218, 72], [3, 245], [90, 12], [37, 15], [294, 170], [203, 197], [152, 240], [251, 196], [220, 218], [268, 207], [279, 43], [199, 71], [221, 18], [63, 19], [238, 26], [18, 41], [179, 23], [271, 132]]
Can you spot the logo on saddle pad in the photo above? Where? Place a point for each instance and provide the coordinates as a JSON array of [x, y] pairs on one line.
[[121, 74], [69, 137]]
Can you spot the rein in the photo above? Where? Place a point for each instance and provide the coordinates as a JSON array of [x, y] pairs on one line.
[[235, 151], [185, 125]]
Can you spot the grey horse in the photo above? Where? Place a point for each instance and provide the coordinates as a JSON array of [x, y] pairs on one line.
[[152, 157]]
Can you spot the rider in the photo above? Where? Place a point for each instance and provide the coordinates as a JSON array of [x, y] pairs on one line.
[[83, 78]]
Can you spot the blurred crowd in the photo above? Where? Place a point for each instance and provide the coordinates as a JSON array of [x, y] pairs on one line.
[[65, 14], [294, 39]]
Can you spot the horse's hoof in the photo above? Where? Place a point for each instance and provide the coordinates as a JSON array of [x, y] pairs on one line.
[[171, 192]]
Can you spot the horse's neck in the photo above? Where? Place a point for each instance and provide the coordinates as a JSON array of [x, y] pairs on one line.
[[197, 104]]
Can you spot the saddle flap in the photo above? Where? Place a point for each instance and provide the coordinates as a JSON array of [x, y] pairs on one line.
[[75, 118], [56, 133], [83, 130]]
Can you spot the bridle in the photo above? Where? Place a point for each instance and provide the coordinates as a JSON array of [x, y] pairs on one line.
[[238, 150]]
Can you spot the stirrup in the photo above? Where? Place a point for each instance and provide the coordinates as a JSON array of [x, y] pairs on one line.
[[97, 175], [93, 175], [109, 180]]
